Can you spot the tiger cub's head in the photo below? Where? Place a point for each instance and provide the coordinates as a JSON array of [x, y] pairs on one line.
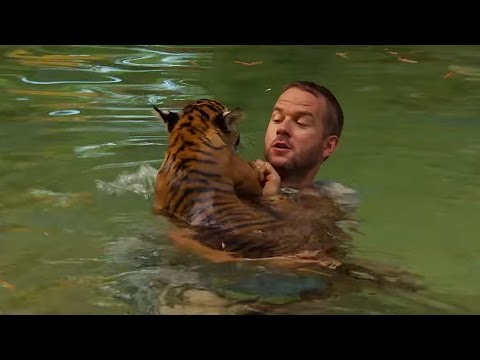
[[203, 115]]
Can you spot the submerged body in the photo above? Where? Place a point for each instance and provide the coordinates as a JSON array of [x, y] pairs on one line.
[[203, 183]]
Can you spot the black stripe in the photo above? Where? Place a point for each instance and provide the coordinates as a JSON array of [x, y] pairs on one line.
[[203, 114], [180, 196], [238, 216], [218, 103], [176, 182], [227, 202], [183, 163], [203, 152], [186, 125], [194, 129], [186, 179], [186, 144], [255, 222], [204, 173], [211, 107], [208, 183], [213, 233], [220, 210], [178, 138]]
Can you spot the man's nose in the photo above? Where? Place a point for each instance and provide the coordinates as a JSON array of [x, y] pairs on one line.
[[284, 127]]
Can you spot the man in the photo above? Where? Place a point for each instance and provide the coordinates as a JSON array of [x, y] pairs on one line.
[[304, 130]]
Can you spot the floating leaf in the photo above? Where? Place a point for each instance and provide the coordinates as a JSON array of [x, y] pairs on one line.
[[449, 74], [7, 285], [407, 60], [248, 63], [342, 54]]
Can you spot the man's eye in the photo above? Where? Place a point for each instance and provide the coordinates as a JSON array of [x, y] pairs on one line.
[[303, 122]]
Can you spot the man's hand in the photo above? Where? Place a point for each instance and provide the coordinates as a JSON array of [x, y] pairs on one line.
[[269, 177]]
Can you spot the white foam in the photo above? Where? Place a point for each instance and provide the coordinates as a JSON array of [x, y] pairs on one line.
[[141, 182]]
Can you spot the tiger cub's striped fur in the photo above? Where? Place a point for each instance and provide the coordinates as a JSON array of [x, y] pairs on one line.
[[201, 176]]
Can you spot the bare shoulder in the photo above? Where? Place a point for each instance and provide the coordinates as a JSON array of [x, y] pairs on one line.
[[339, 193]]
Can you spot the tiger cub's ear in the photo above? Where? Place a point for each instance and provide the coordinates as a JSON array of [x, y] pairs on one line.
[[170, 118], [231, 118]]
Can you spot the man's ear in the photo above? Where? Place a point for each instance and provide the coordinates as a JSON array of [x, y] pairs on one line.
[[329, 146], [170, 118]]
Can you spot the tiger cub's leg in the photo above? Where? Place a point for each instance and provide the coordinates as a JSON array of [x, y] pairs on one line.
[[186, 239], [246, 178], [254, 178]]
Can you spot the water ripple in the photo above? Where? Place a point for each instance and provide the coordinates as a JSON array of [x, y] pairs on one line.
[[96, 150], [112, 80], [64, 112], [125, 164]]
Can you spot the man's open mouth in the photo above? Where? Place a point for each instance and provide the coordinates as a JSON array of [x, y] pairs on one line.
[[281, 145]]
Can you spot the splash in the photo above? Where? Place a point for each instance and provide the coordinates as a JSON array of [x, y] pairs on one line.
[[141, 182]]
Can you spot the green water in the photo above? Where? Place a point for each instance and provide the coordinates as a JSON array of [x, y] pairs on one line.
[[79, 148]]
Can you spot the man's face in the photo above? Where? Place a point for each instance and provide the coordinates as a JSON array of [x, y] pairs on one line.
[[295, 134]]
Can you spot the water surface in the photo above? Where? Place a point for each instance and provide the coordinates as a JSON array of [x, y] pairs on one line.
[[80, 147]]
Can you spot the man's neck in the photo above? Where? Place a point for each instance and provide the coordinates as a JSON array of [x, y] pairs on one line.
[[297, 181]]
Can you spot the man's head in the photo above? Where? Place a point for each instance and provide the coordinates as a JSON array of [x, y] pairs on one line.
[[304, 129]]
